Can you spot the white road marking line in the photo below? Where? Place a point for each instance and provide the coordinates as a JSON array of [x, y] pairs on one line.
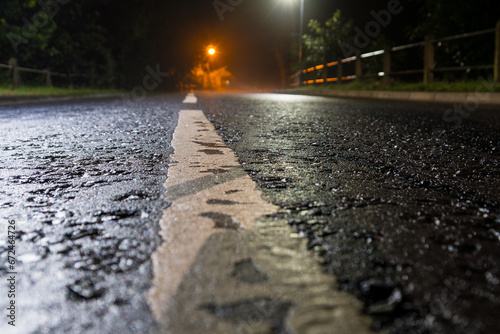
[[190, 98], [213, 202], [231, 203]]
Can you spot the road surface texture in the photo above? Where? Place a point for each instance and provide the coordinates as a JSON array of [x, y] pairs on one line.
[[83, 182], [381, 200], [400, 206]]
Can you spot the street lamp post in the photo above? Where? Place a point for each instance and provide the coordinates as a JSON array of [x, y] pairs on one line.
[[211, 52], [301, 32], [301, 29]]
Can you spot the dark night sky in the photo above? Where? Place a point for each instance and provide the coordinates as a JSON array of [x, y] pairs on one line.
[[246, 36]]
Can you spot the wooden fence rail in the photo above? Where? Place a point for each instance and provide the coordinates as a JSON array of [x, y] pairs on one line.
[[319, 74], [16, 77]]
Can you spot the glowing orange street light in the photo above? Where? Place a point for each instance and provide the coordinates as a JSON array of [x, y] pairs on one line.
[[211, 52]]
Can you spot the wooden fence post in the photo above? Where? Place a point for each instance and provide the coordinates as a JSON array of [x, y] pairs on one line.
[[339, 72], [48, 79], [386, 80], [16, 79], [496, 74], [325, 73], [358, 67], [429, 60]]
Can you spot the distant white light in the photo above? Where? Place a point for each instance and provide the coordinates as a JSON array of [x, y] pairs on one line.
[[285, 97], [381, 74]]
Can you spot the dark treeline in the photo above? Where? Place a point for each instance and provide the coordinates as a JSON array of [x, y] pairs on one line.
[[113, 39], [117, 39]]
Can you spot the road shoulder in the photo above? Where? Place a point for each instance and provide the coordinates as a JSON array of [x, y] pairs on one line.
[[485, 99]]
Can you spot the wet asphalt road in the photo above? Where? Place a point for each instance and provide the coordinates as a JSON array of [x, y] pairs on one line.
[[399, 205], [84, 183]]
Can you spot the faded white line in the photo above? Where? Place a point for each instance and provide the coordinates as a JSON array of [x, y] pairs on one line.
[[232, 203], [190, 98], [217, 221]]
